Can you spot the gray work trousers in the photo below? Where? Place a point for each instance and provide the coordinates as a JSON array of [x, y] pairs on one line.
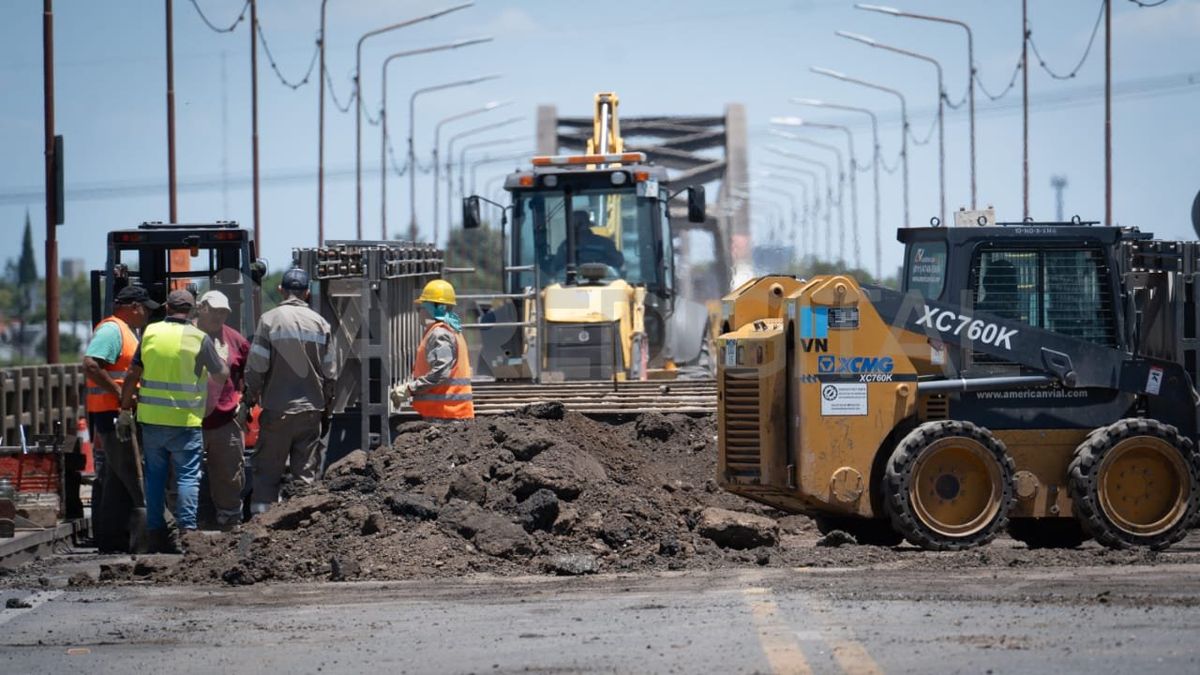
[[223, 448], [291, 439]]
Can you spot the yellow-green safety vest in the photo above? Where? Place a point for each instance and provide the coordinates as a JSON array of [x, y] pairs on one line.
[[172, 394]]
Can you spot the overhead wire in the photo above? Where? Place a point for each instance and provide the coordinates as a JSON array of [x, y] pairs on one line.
[[218, 29], [312, 62], [333, 95], [1082, 59]]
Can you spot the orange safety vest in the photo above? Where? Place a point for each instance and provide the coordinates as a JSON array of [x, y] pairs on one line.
[[451, 398], [100, 399]]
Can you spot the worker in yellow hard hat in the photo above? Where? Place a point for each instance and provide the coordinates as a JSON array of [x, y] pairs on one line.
[[441, 384]]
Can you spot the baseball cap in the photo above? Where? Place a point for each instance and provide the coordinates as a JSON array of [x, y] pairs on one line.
[[180, 298], [295, 279], [132, 295], [215, 300]]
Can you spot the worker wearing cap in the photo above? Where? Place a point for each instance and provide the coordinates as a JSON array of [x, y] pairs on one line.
[[173, 364], [109, 356], [291, 375], [441, 384], [224, 425]]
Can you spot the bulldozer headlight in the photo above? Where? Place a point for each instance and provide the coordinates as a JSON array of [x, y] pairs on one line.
[[550, 181], [619, 177]]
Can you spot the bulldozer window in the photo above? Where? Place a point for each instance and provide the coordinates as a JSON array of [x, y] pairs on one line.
[[1065, 291], [927, 268], [617, 229]]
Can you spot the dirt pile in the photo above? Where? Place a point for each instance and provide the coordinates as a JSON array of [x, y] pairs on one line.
[[539, 491], [546, 492]]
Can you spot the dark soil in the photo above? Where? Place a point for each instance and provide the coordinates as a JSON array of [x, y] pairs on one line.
[[543, 492]]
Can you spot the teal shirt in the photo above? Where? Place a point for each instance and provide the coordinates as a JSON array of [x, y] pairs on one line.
[[106, 343]]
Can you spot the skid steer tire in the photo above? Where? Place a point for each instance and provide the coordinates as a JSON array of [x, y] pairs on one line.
[[866, 531], [948, 486], [1111, 477], [1048, 532]]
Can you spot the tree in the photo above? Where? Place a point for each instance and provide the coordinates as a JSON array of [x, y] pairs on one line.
[[27, 266]]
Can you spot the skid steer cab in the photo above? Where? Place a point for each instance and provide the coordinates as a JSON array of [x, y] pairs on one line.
[[1030, 377]]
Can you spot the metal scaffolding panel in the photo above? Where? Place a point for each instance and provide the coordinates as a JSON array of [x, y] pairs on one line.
[[366, 291]]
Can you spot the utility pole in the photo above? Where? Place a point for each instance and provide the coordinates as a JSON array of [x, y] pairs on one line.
[[52, 196], [224, 138], [321, 134], [1059, 183], [172, 196], [254, 118], [1108, 219], [1025, 109]]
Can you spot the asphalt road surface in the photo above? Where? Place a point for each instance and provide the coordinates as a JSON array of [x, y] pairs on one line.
[[1110, 619]]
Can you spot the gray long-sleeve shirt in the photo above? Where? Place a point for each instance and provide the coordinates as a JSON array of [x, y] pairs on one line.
[[291, 367], [441, 353]]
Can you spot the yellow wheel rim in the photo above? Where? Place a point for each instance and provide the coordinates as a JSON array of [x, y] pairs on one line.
[[956, 487], [1143, 485]]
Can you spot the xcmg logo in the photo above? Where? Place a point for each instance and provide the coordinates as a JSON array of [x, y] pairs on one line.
[[868, 368]]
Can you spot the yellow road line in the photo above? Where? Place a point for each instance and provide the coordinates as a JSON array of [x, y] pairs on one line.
[[775, 636], [850, 654]]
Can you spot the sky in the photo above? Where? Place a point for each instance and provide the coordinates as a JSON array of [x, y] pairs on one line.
[[687, 58]]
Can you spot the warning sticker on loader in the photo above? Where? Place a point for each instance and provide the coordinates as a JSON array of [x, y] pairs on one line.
[[1154, 381], [840, 399]]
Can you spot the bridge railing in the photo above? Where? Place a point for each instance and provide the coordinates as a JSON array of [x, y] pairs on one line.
[[36, 397]]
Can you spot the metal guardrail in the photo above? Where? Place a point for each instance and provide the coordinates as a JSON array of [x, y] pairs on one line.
[[34, 398]]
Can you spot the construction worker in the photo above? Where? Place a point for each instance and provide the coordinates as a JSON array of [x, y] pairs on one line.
[[441, 384], [224, 426], [174, 365], [291, 374], [589, 246], [108, 358]]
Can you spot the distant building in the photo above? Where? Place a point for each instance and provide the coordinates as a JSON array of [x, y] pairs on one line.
[[73, 268]]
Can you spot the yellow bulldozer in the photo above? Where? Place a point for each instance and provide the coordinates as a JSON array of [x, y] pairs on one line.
[[1037, 378], [589, 313]]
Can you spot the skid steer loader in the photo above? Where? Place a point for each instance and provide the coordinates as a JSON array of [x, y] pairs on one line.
[[1034, 377], [589, 314]]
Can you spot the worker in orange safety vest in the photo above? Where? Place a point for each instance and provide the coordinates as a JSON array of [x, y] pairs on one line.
[[117, 493], [441, 384]]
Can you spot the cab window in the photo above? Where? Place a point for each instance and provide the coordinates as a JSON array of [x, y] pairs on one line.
[[927, 268], [1060, 290]]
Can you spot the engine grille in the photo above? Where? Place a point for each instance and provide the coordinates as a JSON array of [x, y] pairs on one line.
[[742, 416]]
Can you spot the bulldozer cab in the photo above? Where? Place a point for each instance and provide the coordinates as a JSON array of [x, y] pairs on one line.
[[587, 227], [199, 258]]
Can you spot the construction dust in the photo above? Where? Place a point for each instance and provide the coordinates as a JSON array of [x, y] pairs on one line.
[[541, 491]]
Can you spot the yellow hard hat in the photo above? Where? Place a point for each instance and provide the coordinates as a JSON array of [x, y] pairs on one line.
[[439, 291]]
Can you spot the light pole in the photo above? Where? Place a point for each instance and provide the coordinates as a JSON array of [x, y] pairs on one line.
[[798, 223], [794, 176], [462, 158], [795, 210], [450, 160], [903, 122], [437, 133], [828, 193], [940, 109], [971, 68], [813, 206], [412, 154], [359, 95], [796, 121], [383, 117], [876, 158], [841, 169], [484, 161]]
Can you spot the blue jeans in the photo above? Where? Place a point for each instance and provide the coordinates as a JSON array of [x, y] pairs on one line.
[[184, 447]]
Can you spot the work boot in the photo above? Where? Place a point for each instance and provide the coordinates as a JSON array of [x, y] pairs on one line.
[[162, 541]]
